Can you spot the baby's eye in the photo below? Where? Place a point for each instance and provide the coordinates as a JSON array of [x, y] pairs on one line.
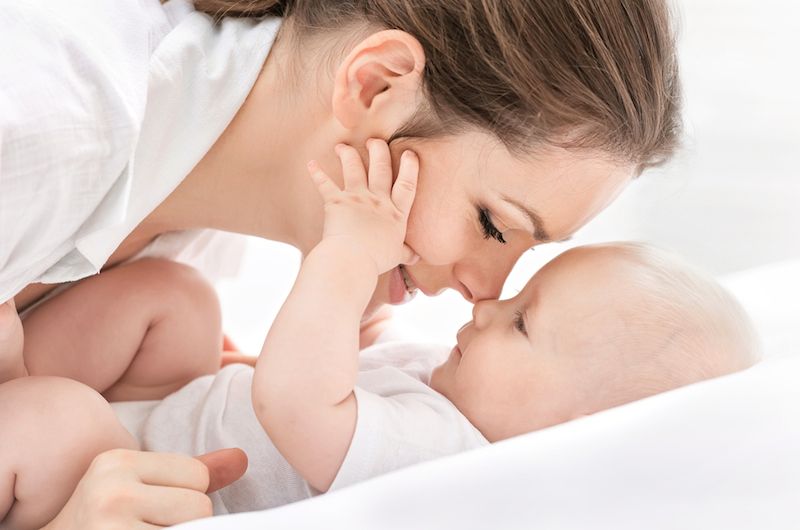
[[519, 323], [489, 229]]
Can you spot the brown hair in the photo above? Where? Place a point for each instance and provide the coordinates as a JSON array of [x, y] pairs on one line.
[[598, 74]]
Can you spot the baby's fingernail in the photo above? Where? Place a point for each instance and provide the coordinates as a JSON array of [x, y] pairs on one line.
[[409, 155]]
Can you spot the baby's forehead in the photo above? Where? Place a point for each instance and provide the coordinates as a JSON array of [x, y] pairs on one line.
[[613, 275], [608, 292], [613, 266]]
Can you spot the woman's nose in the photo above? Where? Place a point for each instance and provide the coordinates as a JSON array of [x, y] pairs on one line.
[[482, 281], [476, 285]]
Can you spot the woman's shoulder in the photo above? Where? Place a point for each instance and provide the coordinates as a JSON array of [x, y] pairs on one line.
[[70, 119]]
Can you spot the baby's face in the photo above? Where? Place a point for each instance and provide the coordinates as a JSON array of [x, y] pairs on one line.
[[537, 359]]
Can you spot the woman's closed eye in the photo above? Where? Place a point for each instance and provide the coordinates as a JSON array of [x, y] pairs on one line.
[[519, 323], [489, 229]]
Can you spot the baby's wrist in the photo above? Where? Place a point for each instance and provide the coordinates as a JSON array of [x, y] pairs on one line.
[[350, 253], [343, 272]]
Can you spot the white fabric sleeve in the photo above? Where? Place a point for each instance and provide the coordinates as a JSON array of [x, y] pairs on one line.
[[72, 97], [409, 426]]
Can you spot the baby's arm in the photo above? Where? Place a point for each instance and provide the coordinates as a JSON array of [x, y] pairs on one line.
[[303, 385]]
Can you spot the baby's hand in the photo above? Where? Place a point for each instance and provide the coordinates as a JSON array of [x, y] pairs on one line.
[[370, 214]]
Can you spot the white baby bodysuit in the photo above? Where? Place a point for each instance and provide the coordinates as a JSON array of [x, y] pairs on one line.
[[401, 421]]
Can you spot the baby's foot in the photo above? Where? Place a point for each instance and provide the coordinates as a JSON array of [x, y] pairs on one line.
[[11, 362]]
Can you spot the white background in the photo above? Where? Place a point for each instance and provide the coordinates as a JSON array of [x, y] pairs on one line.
[[729, 201]]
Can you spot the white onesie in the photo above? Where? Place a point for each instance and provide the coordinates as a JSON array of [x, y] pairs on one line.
[[401, 421]]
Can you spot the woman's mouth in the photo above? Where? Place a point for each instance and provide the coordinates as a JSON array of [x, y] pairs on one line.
[[409, 283], [401, 286]]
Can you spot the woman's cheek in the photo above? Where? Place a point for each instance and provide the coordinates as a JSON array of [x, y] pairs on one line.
[[438, 239]]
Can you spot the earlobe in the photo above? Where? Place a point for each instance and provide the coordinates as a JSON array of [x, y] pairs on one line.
[[379, 80]]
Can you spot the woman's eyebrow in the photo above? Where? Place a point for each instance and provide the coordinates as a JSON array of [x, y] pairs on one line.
[[539, 232]]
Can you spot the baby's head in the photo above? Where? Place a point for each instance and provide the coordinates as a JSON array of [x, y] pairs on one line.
[[596, 327]]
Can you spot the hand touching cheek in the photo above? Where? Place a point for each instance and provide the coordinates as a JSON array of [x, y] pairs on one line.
[[369, 215]]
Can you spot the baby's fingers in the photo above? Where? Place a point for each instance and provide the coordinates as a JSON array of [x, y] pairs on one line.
[[380, 167], [326, 187], [353, 171], [405, 187], [408, 257]]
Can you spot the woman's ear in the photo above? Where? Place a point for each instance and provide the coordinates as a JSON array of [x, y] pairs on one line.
[[377, 87]]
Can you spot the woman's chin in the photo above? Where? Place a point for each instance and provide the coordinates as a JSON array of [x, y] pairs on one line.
[[391, 290]]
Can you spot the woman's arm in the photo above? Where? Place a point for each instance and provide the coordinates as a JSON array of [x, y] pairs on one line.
[[303, 385]]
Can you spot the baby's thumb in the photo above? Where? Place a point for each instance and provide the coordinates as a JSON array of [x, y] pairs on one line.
[[225, 466], [408, 257]]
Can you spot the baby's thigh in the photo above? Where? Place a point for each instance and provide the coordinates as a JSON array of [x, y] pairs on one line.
[[52, 428], [94, 331]]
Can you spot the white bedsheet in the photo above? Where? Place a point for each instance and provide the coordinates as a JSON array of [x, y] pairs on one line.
[[722, 454]]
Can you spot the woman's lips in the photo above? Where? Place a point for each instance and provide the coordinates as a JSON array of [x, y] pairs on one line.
[[401, 286], [413, 282]]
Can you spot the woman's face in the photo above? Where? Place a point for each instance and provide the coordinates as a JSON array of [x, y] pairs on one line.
[[478, 208]]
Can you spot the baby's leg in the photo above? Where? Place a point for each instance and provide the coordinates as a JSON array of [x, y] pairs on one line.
[[11, 363], [138, 331], [51, 428]]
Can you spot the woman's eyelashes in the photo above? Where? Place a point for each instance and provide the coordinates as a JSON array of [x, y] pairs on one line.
[[519, 323], [489, 229]]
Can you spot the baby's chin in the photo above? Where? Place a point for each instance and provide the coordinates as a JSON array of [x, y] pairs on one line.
[[439, 380]]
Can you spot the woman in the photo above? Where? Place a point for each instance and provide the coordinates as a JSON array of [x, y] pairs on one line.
[[528, 118]]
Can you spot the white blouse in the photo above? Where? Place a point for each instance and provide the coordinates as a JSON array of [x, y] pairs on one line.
[[105, 107]]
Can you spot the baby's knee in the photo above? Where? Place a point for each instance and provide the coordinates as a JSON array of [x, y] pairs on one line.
[[53, 428], [182, 290], [49, 412], [187, 323]]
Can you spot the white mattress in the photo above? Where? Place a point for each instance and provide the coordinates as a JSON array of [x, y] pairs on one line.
[[722, 454]]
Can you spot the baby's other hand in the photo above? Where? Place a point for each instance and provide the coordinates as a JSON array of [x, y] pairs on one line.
[[370, 214]]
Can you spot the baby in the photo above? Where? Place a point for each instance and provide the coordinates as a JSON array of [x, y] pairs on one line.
[[597, 327]]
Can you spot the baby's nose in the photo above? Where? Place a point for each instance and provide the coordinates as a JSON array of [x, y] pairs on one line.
[[483, 312]]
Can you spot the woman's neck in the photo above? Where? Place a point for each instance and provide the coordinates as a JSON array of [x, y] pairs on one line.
[[253, 180]]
